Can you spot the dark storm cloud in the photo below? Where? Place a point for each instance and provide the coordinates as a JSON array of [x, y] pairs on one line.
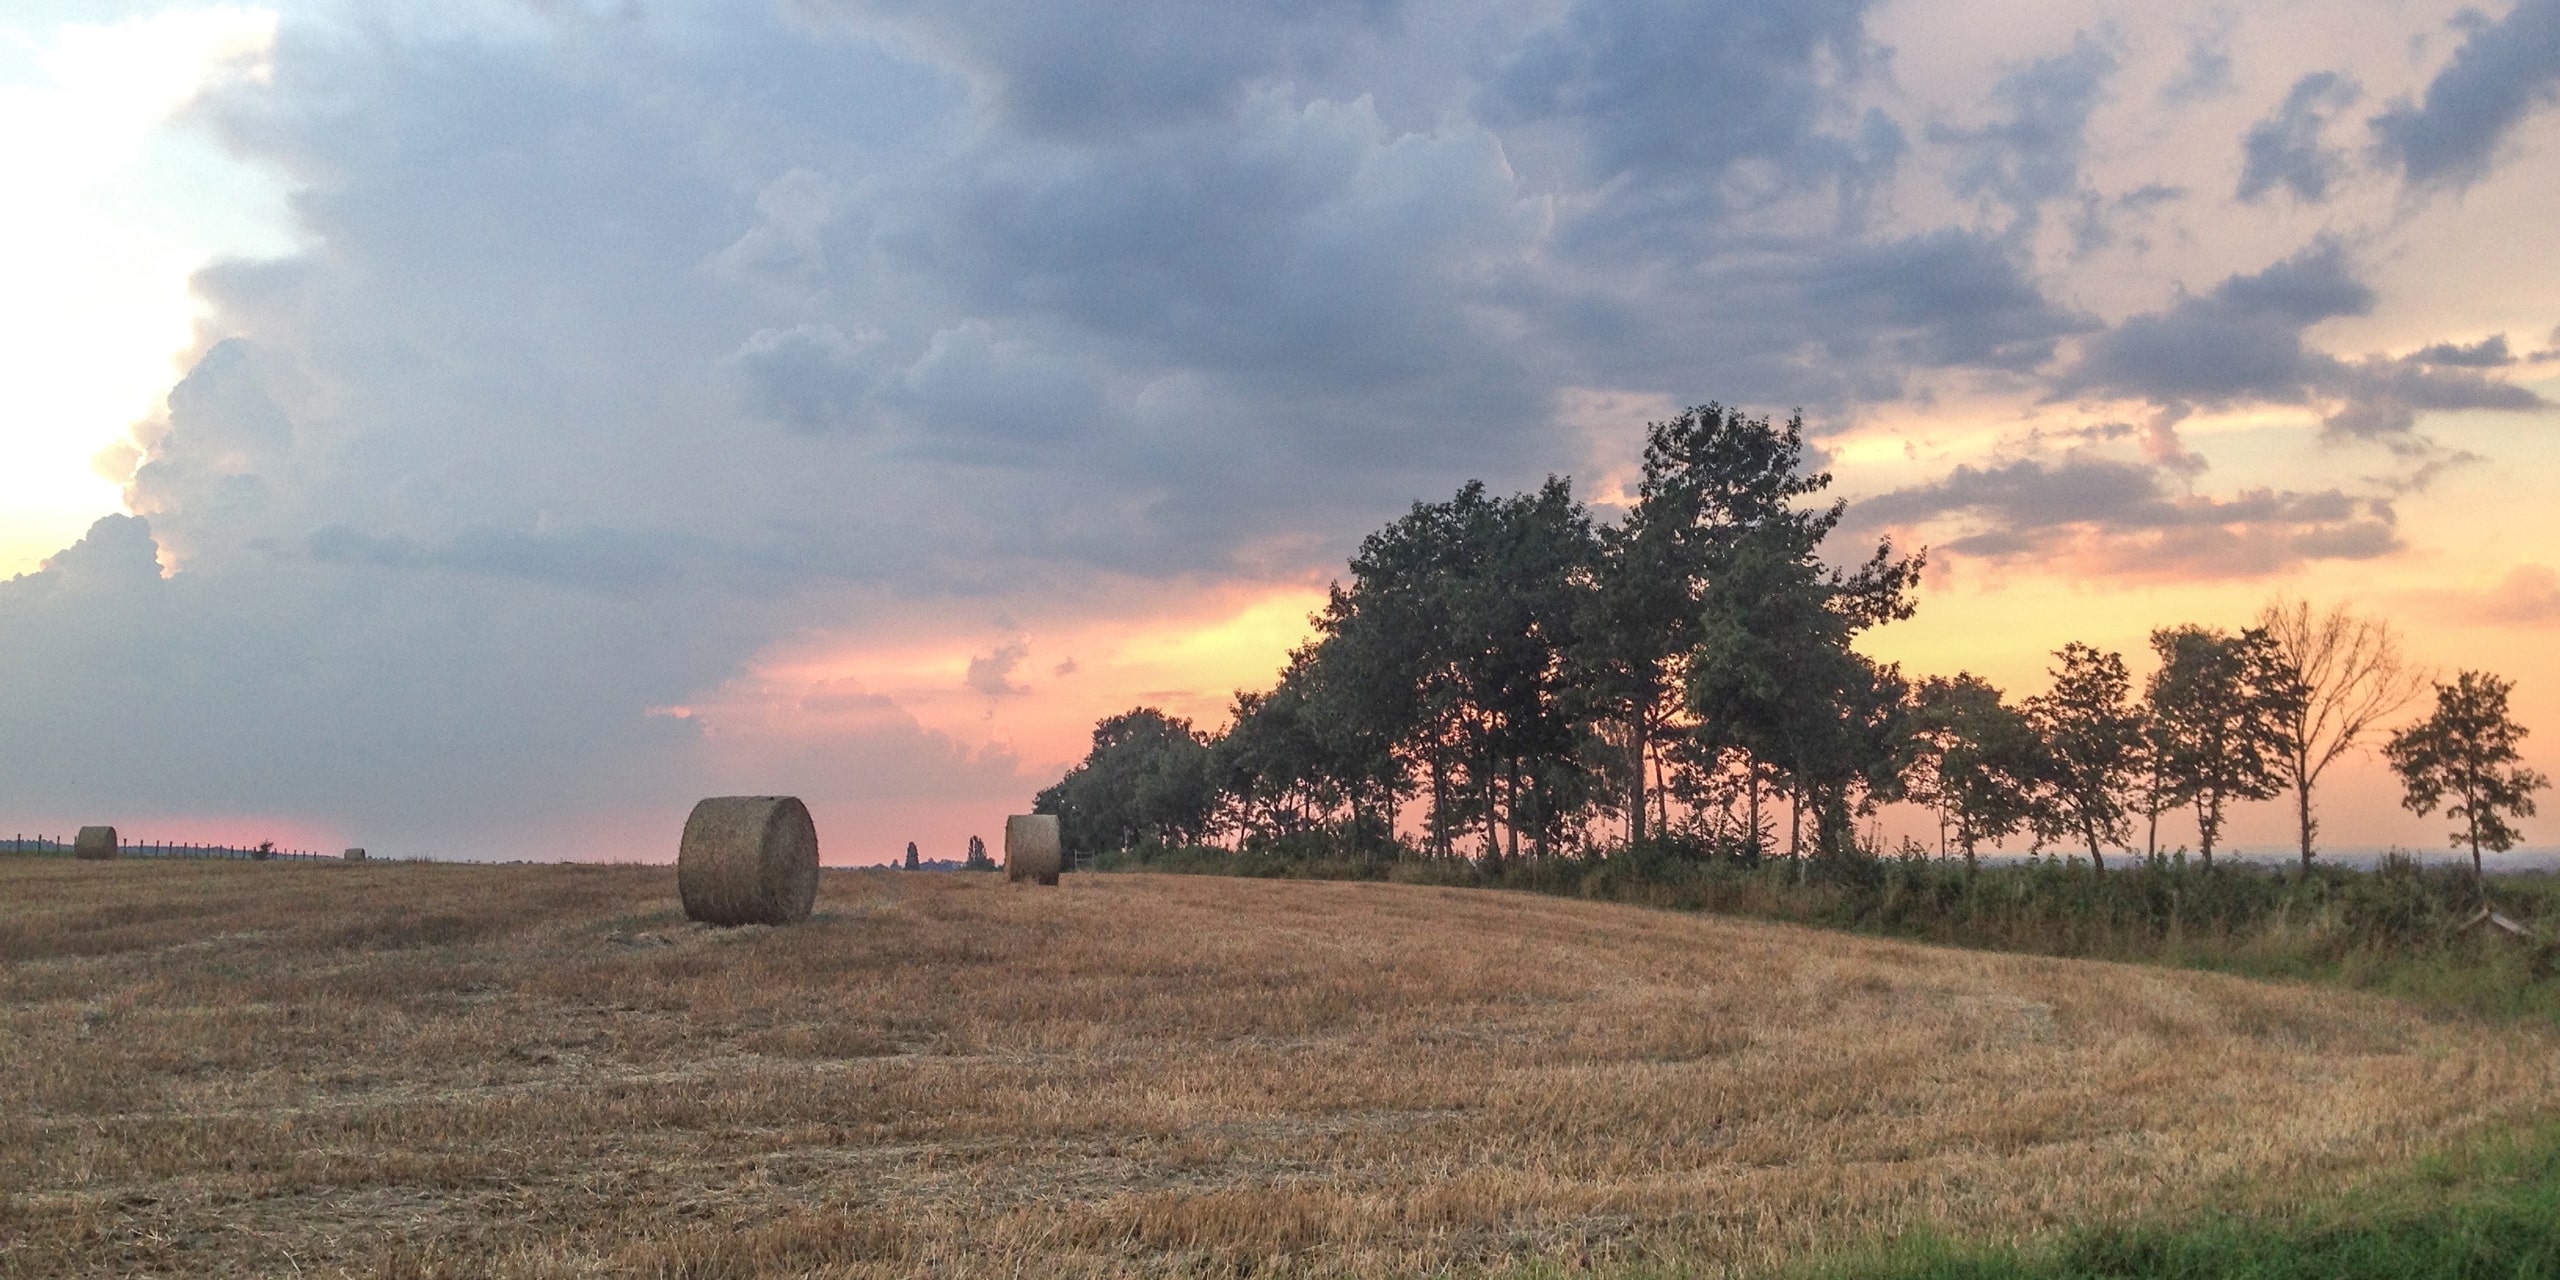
[[2504, 71], [2124, 517], [2286, 149]]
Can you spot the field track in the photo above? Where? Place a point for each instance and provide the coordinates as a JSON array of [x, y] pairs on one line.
[[261, 1069]]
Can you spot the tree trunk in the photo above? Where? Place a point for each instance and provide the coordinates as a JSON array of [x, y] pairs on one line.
[[1661, 796], [1511, 804], [2206, 822], [1635, 812], [1439, 804], [2302, 810], [2471, 806], [2096, 859], [1754, 776]]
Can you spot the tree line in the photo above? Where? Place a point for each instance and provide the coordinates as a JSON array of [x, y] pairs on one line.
[[1509, 678]]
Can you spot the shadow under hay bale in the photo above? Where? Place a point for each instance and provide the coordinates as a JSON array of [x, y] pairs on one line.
[[1031, 848], [94, 844], [748, 860]]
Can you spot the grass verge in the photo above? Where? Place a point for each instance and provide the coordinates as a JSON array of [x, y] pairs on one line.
[[2401, 931], [2489, 1210]]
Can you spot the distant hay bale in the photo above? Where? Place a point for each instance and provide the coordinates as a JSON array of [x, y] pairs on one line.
[[94, 844], [1031, 847], [355, 855], [748, 860]]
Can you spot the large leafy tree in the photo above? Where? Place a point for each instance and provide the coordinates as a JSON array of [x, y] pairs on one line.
[[2348, 676], [2218, 706], [1775, 677], [2465, 751], [1711, 474], [2093, 741], [1984, 760], [1461, 619], [1148, 778], [1273, 761]]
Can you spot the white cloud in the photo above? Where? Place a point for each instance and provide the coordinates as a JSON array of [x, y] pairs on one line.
[[97, 245]]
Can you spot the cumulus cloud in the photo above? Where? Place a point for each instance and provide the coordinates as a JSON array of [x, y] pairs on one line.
[[992, 673], [2286, 149], [1685, 96], [2035, 151], [1945, 298], [809, 376], [1084, 71], [2206, 70], [2504, 71], [2242, 342], [2125, 518], [2488, 353]]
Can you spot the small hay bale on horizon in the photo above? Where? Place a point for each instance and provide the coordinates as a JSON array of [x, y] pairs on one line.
[[355, 855], [748, 860], [94, 844], [1032, 850]]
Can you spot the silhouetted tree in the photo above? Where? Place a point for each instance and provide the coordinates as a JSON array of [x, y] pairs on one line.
[[1149, 778], [2465, 751], [1774, 675], [2348, 676], [2218, 705], [1460, 620], [1984, 761], [2093, 742], [1711, 475]]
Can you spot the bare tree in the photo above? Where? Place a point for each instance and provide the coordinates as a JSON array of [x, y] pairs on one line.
[[2349, 675]]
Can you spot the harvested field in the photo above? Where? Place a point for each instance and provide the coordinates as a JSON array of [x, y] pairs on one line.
[[228, 1068]]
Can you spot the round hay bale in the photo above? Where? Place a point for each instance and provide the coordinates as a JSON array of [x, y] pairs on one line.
[[1031, 848], [748, 860], [94, 844], [355, 855]]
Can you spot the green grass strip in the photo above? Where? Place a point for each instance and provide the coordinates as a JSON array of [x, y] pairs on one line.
[[2492, 1211]]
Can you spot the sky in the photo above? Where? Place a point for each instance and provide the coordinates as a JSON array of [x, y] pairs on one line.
[[481, 428]]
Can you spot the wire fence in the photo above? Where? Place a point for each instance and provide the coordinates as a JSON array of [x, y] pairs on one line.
[[43, 846]]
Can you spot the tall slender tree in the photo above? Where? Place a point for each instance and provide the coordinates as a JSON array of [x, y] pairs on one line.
[[2465, 751], [2217, 706], [2093, 741], [2348, 675]]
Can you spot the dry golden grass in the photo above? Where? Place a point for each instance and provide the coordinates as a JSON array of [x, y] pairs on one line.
[[211, 1069]]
